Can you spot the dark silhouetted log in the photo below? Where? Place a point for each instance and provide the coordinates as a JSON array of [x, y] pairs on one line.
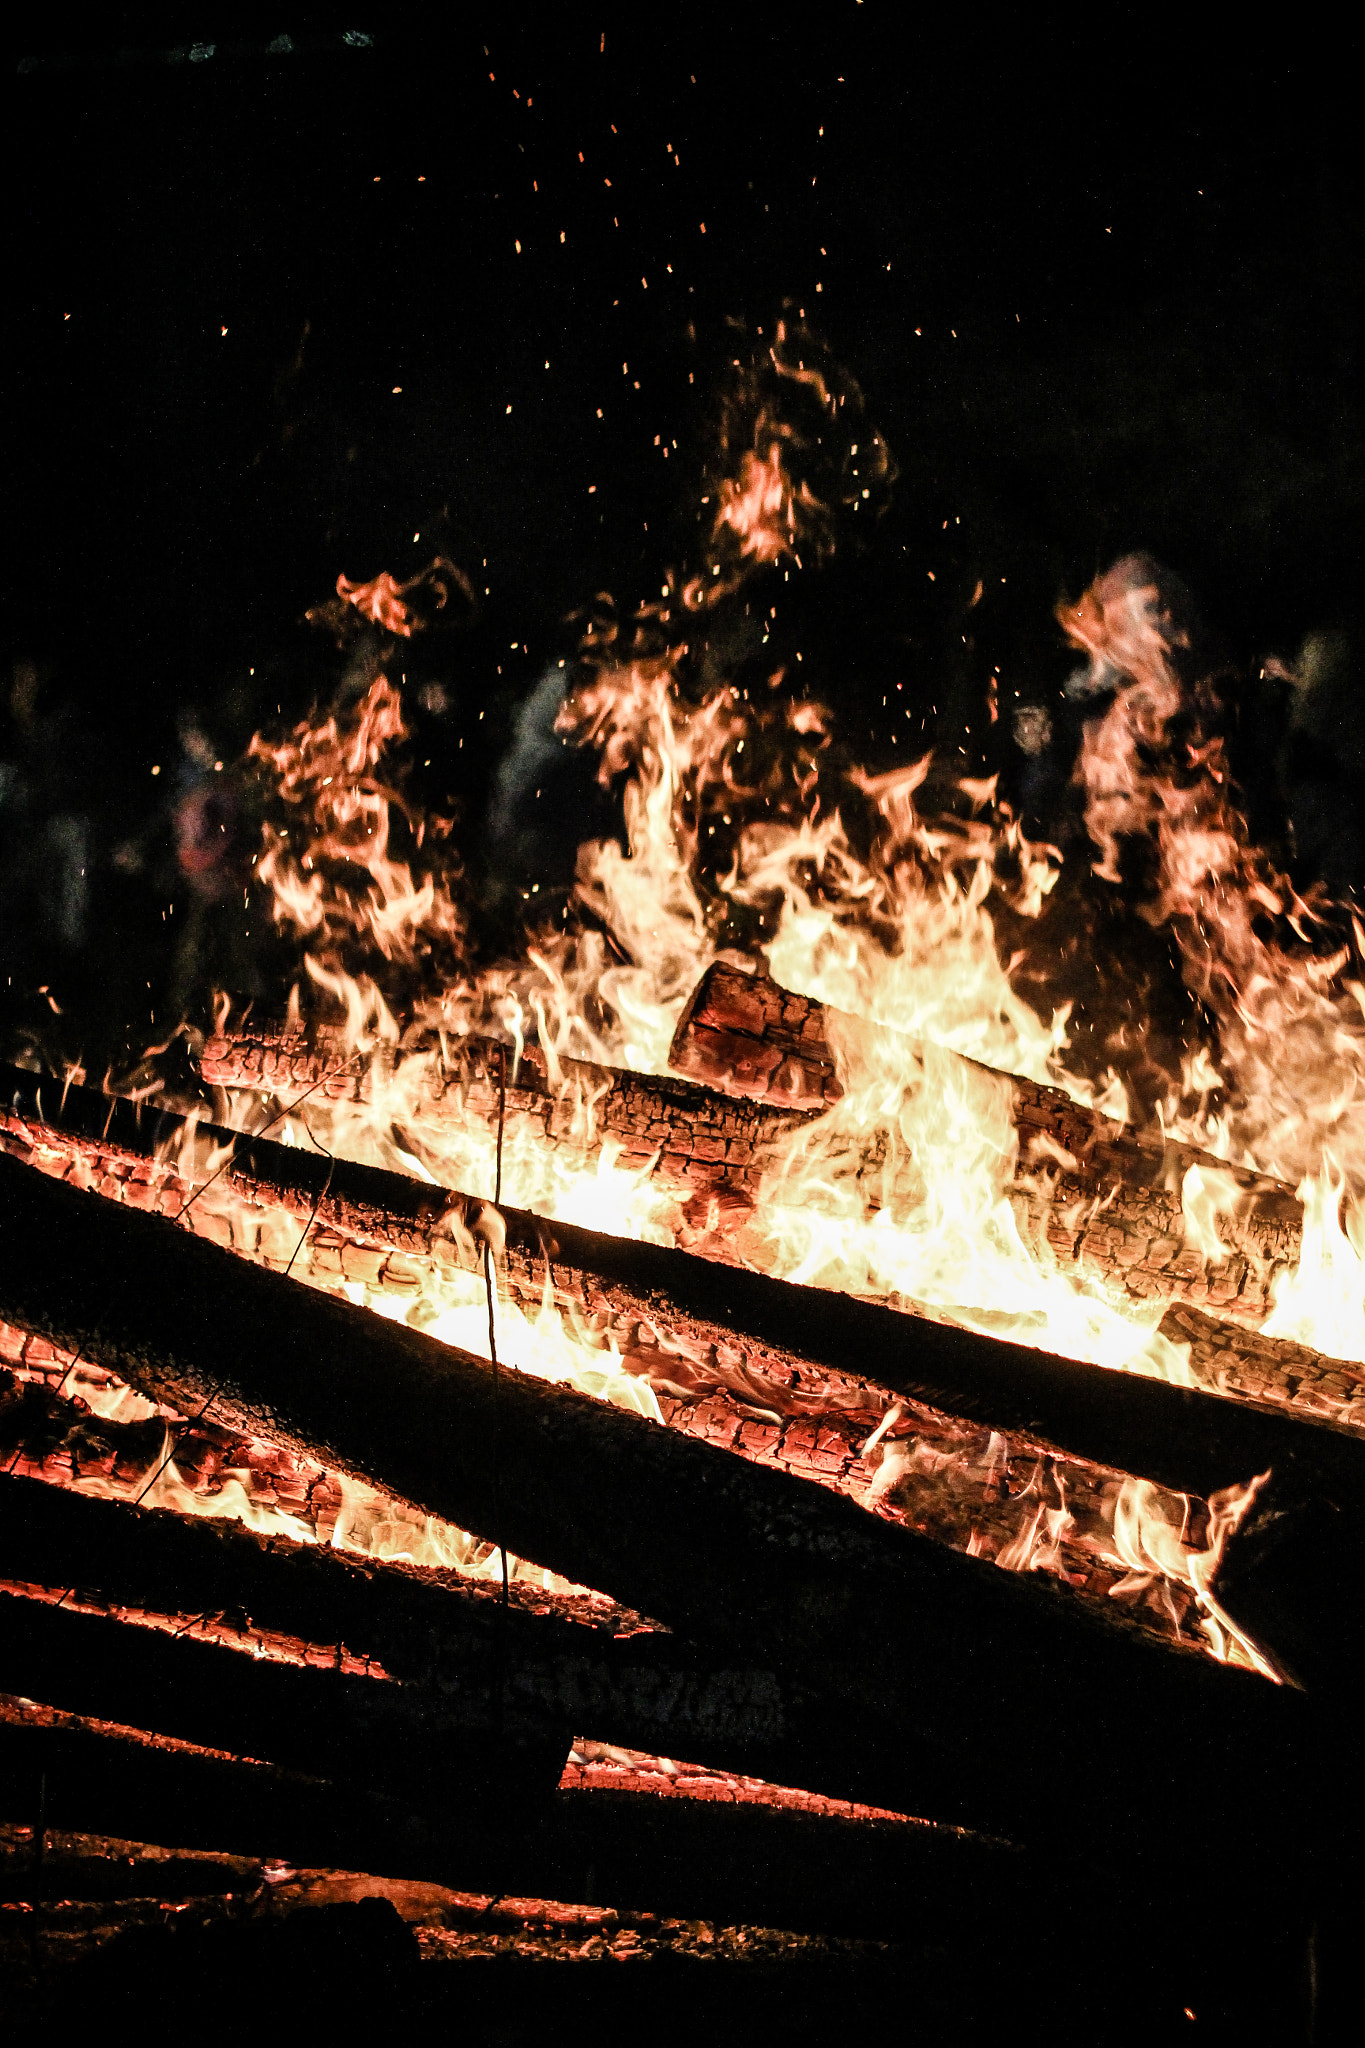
[[88, 1773], [702, 1858], [992, 1681], [424, 1628], [416, 1743], [744, 1036]]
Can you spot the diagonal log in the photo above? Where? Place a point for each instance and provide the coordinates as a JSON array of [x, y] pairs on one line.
[[441, 1640], [1190, 1441], [411, 1743], [1105, 1196], [1273, 1579], [705, 1859], [85, 1771], [990, 1680], [703, 1140]]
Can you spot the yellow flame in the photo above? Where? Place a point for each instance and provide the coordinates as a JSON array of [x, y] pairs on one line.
[[1153, 1548], [906, 1188], [1321, 1301]]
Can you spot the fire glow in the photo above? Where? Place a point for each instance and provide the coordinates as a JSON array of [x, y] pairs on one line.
[[856, 892], [900, 1189]]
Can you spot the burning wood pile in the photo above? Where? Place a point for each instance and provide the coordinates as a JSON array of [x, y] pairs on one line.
[[835, 1543], [739, 1431]]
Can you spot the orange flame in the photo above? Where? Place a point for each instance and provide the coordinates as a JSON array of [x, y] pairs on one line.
[[902, 1188]]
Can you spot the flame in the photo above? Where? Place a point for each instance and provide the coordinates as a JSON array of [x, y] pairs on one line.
[[879, 894], [365, 1522], [1268, 964], [902, 1190], [795, 452], [1321, 1301], [1154, 1550], [405, 608], [341, 820], [1206, 1193]]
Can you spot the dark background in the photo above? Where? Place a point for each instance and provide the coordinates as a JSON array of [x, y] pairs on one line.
[[1099, 294]]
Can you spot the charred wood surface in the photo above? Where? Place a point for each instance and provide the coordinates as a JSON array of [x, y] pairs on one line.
[[1101, 1197], [374, 1222], [1104, 1196], [702, 1139], [419, 1743], [960, 1483], [423, 1629], [989, 1679], [954, 1475]]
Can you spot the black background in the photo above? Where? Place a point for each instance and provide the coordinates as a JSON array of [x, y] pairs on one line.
[[1101, 292]]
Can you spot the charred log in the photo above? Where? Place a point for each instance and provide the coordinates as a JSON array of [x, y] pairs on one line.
[[667, 1300], [83, 1772], [990, 1679], [424, 1629], [744, 1036], [414, 1743], [703, 1141], [1102, 1198]]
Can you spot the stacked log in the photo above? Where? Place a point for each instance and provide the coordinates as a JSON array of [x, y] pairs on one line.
[[705, 1143], [981, 1684], [985, 1435], [806, 1921], [753, 1068], [676, 1314], [450, 1661]]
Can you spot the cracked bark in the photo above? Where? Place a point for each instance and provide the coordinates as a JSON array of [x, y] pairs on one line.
[[1105, 1198]]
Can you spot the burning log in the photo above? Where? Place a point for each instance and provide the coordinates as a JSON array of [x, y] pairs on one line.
[[1103, 1198], [675, 1315], [1102, 1195], [703, 1141], [988, 1678], [659, 1297]]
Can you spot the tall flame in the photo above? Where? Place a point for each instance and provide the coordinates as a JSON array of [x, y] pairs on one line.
[[742, 828], [1271, 967]]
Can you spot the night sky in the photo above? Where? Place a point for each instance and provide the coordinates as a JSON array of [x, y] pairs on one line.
[[341, 306]]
